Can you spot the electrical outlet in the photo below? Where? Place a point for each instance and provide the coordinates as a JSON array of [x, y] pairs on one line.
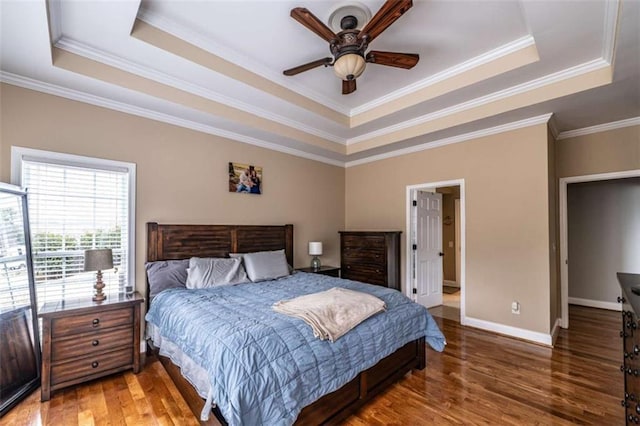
[[515, 307]]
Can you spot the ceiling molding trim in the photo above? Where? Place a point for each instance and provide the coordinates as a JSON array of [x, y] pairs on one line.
[[81, 49], [458, 69], [611, 18], [635, 121], [75, 95], [213, 47], [540, 119], [538, 83], [553, 127]]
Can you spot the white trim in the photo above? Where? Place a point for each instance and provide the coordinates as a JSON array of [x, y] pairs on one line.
[[18, 154], [564, 233], [635, 121], [55, 20], [450, 283], [553, 126], [612, 306], [610, 32], [507, 330], [519, 89], [466, 66], [410, 190], [84, 50], [75, 95], [555, 331], [208, 44], [540, 119]]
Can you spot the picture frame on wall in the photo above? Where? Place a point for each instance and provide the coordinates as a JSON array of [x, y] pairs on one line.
[[245, 178]]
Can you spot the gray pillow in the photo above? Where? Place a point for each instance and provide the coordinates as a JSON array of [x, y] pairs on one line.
[[213, 272], [165, 274], [264, 265]]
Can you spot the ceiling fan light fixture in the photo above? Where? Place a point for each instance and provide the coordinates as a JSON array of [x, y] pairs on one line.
[[349, 66]]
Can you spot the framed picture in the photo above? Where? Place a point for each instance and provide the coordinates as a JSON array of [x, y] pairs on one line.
[[245, 178]]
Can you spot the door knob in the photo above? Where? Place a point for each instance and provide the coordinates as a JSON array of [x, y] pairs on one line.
[[441, 254]]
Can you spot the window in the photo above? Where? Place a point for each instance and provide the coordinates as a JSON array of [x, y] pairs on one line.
[[77, 203]]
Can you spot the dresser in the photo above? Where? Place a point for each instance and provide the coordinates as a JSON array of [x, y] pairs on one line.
[[371, 256], [630, 334], [83, 340]]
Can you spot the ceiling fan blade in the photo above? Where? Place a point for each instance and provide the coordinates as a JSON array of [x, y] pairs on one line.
[[393, 59], [310, 21], [387, 15], [307, 67], [348, 86]]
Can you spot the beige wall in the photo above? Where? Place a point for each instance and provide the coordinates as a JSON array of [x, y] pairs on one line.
[[507, 216], [554, 236], [604, 152], [181, 174]]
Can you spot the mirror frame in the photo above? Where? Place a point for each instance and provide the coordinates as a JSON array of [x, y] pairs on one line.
[[34, 383]]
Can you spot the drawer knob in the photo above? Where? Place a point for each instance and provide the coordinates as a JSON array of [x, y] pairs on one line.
[[94, 364], [95, 343], [96, 322], [636, 349]]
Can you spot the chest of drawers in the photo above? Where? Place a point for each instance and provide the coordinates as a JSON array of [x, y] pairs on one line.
[[371, 256], [84, 340]]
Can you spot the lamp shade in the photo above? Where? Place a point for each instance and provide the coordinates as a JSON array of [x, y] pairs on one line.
[[98, 259], [315, 248], [349, 66]]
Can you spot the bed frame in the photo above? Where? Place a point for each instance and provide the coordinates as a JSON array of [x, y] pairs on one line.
[[166, 242]]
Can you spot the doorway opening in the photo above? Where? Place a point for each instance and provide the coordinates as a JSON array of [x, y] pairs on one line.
[[564, 236], [435, 260]]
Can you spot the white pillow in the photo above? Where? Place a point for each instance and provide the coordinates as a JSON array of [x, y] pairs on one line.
[[264, 265], [212, 272]]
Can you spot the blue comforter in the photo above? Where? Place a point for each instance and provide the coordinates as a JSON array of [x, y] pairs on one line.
[[264, 367]]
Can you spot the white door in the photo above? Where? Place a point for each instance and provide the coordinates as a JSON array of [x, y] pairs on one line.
[[458, 250], [429, 248]]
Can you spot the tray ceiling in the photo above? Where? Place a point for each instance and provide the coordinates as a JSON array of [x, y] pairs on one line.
[[217, 67]]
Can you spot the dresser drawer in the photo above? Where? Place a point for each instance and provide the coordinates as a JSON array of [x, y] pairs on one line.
[[365, 275], [91, 343], [91, 322], [362, 241], [90, 365]]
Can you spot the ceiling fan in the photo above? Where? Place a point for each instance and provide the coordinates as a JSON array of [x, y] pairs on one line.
[[349, 46]]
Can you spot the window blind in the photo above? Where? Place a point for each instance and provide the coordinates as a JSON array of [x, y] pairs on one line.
[[73, 208]]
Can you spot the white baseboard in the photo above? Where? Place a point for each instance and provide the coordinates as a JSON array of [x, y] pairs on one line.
[[451, 283], [507, 330], [612, 306]]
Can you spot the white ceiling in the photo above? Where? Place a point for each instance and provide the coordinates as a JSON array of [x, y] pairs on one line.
[[482, 64]]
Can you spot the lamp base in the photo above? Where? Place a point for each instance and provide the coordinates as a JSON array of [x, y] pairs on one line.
[[315, 263], [99, 296]]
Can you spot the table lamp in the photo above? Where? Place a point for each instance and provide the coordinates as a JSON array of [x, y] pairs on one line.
[[315, 250], [98, 260]]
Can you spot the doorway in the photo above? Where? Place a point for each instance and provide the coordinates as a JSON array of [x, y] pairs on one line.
[[435, 232]]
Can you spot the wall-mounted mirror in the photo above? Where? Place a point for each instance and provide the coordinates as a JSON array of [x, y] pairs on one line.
[[19, 335]]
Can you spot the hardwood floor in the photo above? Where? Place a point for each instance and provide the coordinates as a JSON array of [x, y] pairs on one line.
[[480, 378]]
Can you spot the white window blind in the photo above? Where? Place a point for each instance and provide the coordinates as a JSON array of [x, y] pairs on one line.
[[74, 207]]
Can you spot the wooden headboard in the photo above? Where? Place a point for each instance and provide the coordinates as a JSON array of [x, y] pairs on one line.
[[165, 242]]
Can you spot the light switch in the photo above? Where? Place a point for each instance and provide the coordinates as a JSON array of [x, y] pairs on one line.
[[450, 244]]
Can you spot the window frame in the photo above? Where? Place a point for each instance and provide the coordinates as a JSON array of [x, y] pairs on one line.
[[20, 154]]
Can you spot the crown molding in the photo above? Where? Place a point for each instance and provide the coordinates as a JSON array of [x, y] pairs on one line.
[[81, 49], [635, 121], [54, 11], [215, 48], [553, 127], [458, 69], [540, 119], [64, 92], [611, 19], [484, 100]]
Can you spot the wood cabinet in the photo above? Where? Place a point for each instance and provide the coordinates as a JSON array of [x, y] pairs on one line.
[[84, 340], [371, 256], [630, 334]]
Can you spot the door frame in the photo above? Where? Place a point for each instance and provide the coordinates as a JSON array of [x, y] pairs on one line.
[[432, 186], [564, 232]]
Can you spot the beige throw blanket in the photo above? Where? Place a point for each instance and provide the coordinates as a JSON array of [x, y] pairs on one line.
[[332, 313]]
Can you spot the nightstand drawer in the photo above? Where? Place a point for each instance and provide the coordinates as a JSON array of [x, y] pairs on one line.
[[84, 345], [91, 322], [96, 364]]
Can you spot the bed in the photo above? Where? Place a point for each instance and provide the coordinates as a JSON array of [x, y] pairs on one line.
[[170, 242]]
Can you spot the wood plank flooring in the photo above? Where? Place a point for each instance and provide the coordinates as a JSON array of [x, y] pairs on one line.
[[481, 378]]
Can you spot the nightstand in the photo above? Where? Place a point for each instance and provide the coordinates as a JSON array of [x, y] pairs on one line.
[[83, 340], [324, 270]]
